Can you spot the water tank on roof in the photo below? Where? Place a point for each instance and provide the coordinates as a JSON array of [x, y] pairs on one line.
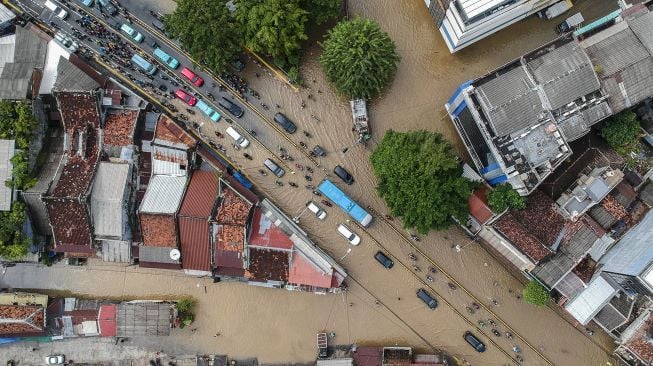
[[175, 254]]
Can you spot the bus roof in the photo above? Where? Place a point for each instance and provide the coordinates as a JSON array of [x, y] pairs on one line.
[[332, 192]]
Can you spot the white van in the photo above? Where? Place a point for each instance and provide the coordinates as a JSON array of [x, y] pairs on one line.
[[352, 238], [60, 13], [314, 208], [240, 140]]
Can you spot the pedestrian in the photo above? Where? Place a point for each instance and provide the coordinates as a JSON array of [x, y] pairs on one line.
[[399, 298], [351, 304]]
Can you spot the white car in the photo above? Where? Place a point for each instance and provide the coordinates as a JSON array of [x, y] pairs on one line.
[[55, 360], [349, 235], [314, 208]]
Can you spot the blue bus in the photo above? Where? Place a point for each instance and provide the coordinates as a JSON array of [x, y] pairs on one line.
[[241, 178], [332, 192], [144, 64]]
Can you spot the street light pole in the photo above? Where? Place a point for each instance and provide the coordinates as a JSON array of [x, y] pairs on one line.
[[459, 248], [346, 254]]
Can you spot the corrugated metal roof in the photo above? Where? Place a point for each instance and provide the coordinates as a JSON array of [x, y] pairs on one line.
[[7, 48], [71, 78], [200, 195], [163, 194], [108, 199], [195, 244], [6, 153], [168, 167], [642, 26], [633, 253], [589, 302], [156, 255]]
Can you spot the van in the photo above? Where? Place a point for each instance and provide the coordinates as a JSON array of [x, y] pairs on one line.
[[384, 260], [164, 57], [351, 237], [144, 64], [159, 26], [474, 342], [429, 300], [136, 36], [285, 123], [240, 140], [314, 208], [60, 13], [343, 174], [274, 168], [232, 107]]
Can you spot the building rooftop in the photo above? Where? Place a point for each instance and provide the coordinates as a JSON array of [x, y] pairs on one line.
[[137, 319], [268, 265], [265, 233], [639, 337], [70, 226], [163, 195], [7, 149], [109, 199], [169, 134], [158, 230], [303, 272], [157, 257], [22, 320], [119, 128], [28, 54], [589, 302], [106, 320], [194, 239], [200, 195], [71, 78], [478, 206], [588, 190], [233, 209]]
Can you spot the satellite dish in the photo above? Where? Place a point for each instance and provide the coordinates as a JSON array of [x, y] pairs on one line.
[[175, 254]]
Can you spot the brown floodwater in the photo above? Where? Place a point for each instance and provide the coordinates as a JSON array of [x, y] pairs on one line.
[[280, 326]]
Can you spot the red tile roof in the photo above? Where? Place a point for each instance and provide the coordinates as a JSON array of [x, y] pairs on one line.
[[231, 237], [265, 234], [158, 230], [200, 195], [169, 131], [303, 272], [268, 265], [640, 344], [478, 206], [233, 209], [119, 128], [77, 174], [78, 109], [70, 226], [107, 320], [17, 320], [195, 244]]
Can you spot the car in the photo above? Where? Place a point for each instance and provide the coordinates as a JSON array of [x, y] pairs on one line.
[[136, 36], [107, 7], [285, 123], [240, 140], [384, 259], [188, 74], [343, 174], [206, 109], [314, 208], [349, 235], [474, 341], [187, 98], [274, 168], [319, 151], [55, 360], [429, 300], [60, 13], [66, 42], [88, 3], [164, 57], [159, 25], [232, 107]]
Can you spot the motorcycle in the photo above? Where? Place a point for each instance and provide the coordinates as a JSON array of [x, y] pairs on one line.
[[327, 203], [251, 132], [211, 97], [317, 193], [310, 186], [496, 333], [247, 156], [293, 184], [310, 170], [307, 134], [300, 167], [308, 178], [190, 111], [263, 172], [302, 144], [279, 183]]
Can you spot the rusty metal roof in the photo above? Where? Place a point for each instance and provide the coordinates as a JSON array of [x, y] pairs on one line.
[[200, 195], [195, 243]]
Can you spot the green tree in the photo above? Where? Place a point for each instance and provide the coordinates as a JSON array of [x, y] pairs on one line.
[[420, 179], [273, 27], [321, 11], [622, 132], [536, 294], [359, 58], [207, 30], [186, 305], [13, 243], [503, 196]]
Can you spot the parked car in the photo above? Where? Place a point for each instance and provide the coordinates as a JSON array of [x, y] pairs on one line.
[[285, 123], [159, 25], [349, 235], [384, 259], [206, 109], [232, 107], [314, 208], [474, 342], [88, 3], [66, 42], [187, 98], [274, 168], [193, 77], [319, 151], [55, 360], [429, 300], [343, 174], [107, 7], [240, 139], [58, 12], [164, 57], [136, 36]]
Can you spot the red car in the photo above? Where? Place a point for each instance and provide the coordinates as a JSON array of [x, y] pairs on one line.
[[196, 80], [187, 98]]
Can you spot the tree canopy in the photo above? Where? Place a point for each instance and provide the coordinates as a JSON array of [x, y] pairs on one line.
[[273, 27], [207, 30], [622, 132], [17, 123], [320, 11], [13, 243], [359, 58], [535, 294], [503, 196], [420, 179]]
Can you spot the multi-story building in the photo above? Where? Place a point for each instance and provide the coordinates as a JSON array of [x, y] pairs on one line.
[[463, 22]]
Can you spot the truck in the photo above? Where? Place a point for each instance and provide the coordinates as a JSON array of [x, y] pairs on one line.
[[571, 23], [555, 9]]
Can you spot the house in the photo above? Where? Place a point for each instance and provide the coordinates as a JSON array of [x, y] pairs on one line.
[[195, 232], [22, 315], [171, 149], [144, 318], [517, 121], [22, 63], [67, 198], [636, 341], [118, 134]]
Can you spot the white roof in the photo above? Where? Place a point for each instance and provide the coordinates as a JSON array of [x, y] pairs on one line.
[[473, 8], [6, 153], [589, 302], [108, 206], [164, 194], [167, 168], [54, 53], [7, 50]]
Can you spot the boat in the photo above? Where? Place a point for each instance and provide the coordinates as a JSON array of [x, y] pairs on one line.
[[361, 120]]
